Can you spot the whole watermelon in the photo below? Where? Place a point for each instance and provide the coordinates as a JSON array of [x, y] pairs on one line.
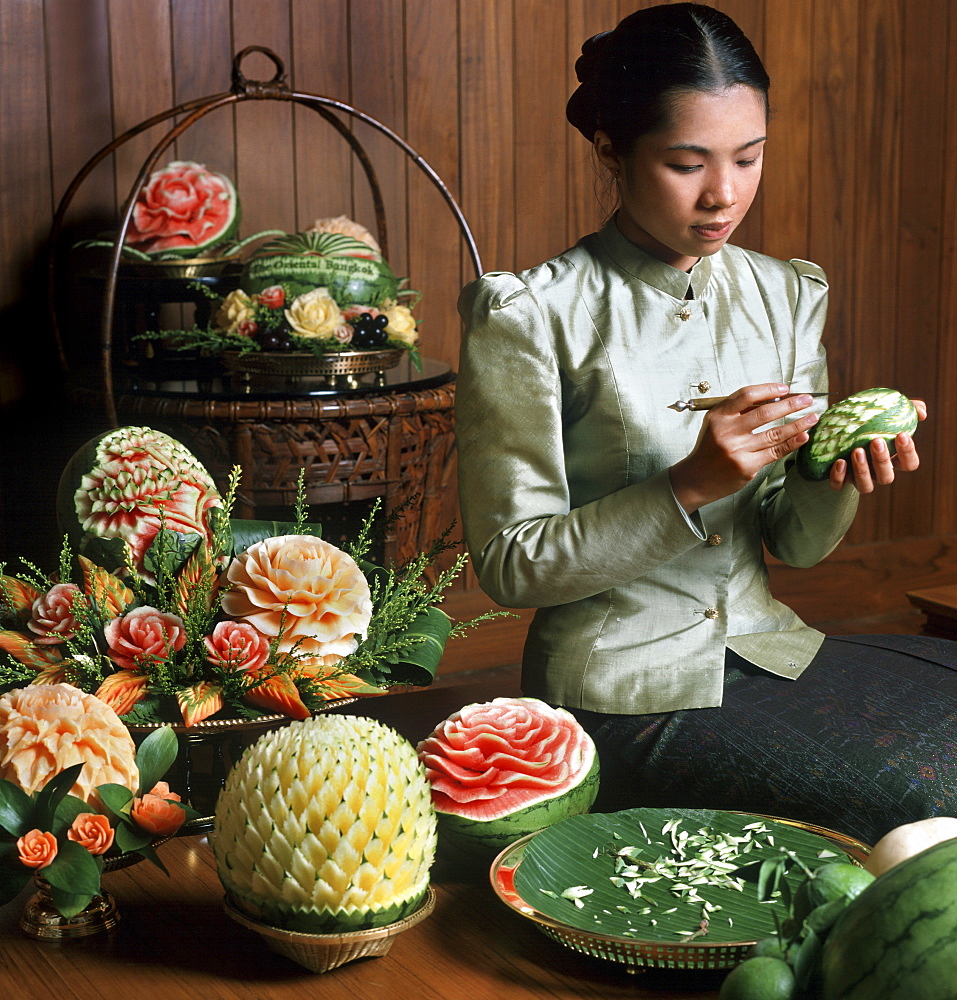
[[898, 939]]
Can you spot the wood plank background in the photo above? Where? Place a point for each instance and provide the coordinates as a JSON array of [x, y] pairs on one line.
[[862, 145]]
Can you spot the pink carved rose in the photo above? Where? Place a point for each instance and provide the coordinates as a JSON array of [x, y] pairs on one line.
[[273, 297], [343, 333], [52, 617], [237, 646], [139, 474], [92, 831], [508, 746], [304, 586], [352, 313], [183, 205], [143, 636]]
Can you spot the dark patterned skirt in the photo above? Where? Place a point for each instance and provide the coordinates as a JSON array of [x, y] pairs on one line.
[[864, 740]]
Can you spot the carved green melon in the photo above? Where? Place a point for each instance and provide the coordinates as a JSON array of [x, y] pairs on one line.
[[351, 270]]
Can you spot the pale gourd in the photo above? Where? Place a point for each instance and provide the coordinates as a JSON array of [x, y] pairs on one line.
[[905, 841]]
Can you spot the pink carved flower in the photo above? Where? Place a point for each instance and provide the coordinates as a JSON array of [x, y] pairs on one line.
[[143, 636], [304, 587], [92, 831], [273, 297], [343, 333], [138, 474], [248, 328], [237, 646], [508, 746], [52, 617], [181, 206]]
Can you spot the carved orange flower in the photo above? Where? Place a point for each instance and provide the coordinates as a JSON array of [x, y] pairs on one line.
[[37, 849], [157, 815], [46, 728], [92, 831], [311, 591]]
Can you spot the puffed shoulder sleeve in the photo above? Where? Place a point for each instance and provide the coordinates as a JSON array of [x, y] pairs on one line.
[[529, 545], [802, 521]]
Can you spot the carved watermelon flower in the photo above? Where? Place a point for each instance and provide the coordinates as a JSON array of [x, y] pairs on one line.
[[304, 587], [141, 480], [52, 618], [183, 206], [144, 636]]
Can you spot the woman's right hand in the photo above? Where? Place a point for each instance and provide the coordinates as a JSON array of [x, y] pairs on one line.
[[728, 454]]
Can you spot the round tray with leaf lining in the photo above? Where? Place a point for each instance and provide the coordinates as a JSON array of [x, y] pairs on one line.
[[561, 879]]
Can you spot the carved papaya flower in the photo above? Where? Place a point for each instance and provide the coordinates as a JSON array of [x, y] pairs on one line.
[[304, 587]]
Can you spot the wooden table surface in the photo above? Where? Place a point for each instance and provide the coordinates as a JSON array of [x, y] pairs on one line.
[[175, 942]]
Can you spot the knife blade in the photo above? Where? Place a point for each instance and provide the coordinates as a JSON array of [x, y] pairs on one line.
[[709, 402]]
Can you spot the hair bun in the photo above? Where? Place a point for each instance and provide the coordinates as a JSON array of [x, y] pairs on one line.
[[589, 62]]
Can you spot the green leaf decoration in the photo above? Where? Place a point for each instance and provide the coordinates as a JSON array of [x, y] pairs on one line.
[[69, 904], [16, 809], [248, 532], [67, 811], [73, 870], [155, 756], [168, 551], [13, 877], [633, 874], [116, 798], [52, 794], [129, 839]]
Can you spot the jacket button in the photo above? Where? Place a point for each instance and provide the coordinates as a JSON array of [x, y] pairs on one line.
[[712, 613], [715, 539], [685, 314], [703, 386]]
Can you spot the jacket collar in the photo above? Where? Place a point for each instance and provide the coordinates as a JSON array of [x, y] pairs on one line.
[[649, 269]]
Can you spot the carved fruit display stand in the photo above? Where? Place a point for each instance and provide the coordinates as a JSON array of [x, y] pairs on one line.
[[352, 436]]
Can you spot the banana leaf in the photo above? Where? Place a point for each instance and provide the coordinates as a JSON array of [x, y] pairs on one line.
[[568, 871], [248, 532], [419, 661]]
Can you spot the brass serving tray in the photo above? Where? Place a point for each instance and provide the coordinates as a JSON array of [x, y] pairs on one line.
[[659, 947], [303, 364]]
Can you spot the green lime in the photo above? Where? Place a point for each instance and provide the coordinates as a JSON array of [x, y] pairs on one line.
[[761, 978], [829, 882], [769, 947]]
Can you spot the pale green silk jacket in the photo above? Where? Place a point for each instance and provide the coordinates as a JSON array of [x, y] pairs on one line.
[[565, 438]]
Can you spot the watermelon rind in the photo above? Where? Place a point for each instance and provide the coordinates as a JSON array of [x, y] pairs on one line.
[[853, 423], [898, 939], [487, 837]]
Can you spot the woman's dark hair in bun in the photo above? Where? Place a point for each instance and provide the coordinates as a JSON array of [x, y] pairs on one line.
[[629, 76]]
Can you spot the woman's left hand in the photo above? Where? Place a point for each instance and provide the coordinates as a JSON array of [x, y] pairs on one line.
[[864, 475]]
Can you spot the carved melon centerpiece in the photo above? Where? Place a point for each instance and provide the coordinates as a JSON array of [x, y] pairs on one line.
[[350, 270]]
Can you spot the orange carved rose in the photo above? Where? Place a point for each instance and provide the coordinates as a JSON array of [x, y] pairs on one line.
[[157, 815], [305, 587], [46, 728], [37, 849], [92, 831]]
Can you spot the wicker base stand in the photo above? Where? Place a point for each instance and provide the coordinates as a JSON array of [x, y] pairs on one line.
[[395, 445]]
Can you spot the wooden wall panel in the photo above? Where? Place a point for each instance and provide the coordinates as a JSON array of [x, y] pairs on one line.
[[862, 146]]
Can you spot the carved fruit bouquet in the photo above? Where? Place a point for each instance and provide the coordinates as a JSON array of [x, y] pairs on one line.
[[167, 610]]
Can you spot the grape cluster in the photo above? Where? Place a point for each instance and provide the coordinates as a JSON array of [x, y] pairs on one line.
[[275, 339], [369, 331]]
